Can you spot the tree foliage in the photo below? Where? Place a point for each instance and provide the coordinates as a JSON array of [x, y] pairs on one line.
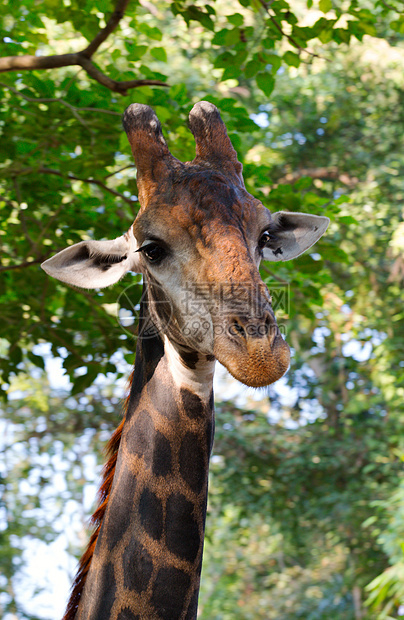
[[312, 95]]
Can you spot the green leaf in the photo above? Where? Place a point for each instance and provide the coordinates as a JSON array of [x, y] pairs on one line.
[[340, 35], [326, 35], [195, 13], [268, 43], [232, 36], [273, 60], [178, 92], [306, 264], [368, 29], [265, 82], [252, 68], [347, 219], [84, 381], [23, 146], [159, 53], [236, 19], [220, 37], [325, 5], [152, 32], [291, 59], [36, 359], [240, 57], [341, 200], [335, 254], [303, 183], [231, 73], [398, 25], [15, 354], [224, 60], [135, 51]]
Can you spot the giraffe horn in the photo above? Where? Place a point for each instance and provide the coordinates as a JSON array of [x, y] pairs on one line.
[[213, 146], [150, 151]]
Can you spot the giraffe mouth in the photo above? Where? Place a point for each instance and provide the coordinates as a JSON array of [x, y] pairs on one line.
[[256, 362]]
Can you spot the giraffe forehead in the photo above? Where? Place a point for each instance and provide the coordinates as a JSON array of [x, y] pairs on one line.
[[200, 210]]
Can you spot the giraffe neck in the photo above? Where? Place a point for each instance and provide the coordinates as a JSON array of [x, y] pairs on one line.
[[148, 556]]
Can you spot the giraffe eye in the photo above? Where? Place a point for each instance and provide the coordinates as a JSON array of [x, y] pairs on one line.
[[153, 252], [265, 238]]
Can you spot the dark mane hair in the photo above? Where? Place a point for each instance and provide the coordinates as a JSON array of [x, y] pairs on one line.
[[104, 491]]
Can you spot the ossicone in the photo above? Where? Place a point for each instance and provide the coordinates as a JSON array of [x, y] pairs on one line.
[[213, 146], [139, 117], [152, 158]]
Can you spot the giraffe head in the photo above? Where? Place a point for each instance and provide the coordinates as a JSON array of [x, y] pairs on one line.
[[198, 240]]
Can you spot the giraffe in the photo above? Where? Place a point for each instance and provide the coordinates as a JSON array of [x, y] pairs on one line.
[[198, 240]]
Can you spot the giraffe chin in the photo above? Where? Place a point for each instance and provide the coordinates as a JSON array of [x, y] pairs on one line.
[[260, 364]]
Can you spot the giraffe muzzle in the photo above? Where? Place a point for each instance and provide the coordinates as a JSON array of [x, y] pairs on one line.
[[252, 350]]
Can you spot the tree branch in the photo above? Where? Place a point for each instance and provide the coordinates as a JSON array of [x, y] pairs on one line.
[[272, 274], [291, 40], [82, 59], [389, 6], [27, 263], [111, 174], [74, 178], [29, 63], [112, 23], [56, 100], [327, 173], [117, 87]]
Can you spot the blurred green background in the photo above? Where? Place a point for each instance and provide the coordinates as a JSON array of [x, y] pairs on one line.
[[306, 505]]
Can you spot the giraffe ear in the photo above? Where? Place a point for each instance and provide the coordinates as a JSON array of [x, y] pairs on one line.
[[94, 264], [293, 234]]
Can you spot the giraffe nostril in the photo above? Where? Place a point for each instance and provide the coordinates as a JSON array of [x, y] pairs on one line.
[[236, 329], [263, 326]]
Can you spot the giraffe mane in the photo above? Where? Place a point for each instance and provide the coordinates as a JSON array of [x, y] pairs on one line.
[[103, 495]]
